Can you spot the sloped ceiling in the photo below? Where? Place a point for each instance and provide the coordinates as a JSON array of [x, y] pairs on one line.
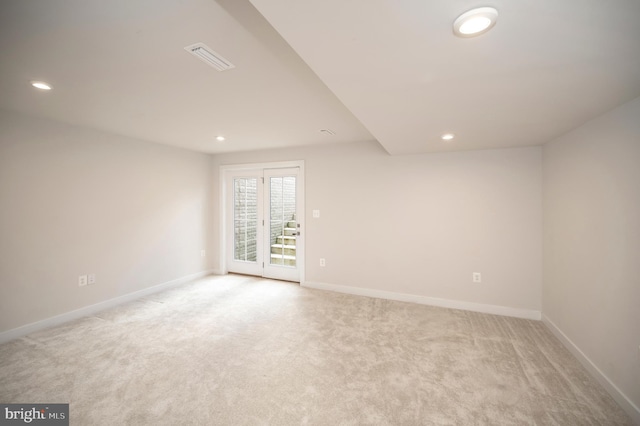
[[389, 70]]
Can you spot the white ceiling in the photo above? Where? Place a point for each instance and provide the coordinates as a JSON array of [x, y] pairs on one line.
[[120, 66], [389, 70]]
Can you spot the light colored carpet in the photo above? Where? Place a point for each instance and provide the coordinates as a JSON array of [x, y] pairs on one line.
[[236, 350]]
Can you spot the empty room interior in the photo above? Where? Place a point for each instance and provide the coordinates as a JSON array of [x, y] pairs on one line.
[[278, 212]]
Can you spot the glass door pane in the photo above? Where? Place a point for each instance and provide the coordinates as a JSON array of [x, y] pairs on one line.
[[282, 221], [245, 219]]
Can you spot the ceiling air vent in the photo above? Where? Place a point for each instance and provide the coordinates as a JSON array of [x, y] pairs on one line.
[[208, 56]]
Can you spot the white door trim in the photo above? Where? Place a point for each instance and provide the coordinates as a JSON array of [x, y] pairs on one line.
[[223, 173]]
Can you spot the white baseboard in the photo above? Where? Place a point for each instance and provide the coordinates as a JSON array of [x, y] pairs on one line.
[[424, 300], [92, 309], [622, 400]]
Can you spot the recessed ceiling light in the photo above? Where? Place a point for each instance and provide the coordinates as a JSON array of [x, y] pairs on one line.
[[447, 136], [475, 22], [219, 138], [41, 85]]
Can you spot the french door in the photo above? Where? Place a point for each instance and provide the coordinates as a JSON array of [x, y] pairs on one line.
[[263, 232]]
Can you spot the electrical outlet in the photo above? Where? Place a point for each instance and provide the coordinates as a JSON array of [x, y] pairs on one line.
[[203, 253], [316, 214], [322, 262], [477, 277], [82, 280], [91, 279]]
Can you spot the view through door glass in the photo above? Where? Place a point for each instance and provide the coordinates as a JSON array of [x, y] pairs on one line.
[[245, 221], [282, 221]]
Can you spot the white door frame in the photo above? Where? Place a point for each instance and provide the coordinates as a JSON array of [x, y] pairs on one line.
[[300, 241]]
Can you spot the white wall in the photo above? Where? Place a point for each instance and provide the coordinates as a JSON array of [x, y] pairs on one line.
[[591, 288], [421, 224], [76, 201]]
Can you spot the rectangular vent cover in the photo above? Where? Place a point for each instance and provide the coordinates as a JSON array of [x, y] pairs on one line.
[[208, 56]]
